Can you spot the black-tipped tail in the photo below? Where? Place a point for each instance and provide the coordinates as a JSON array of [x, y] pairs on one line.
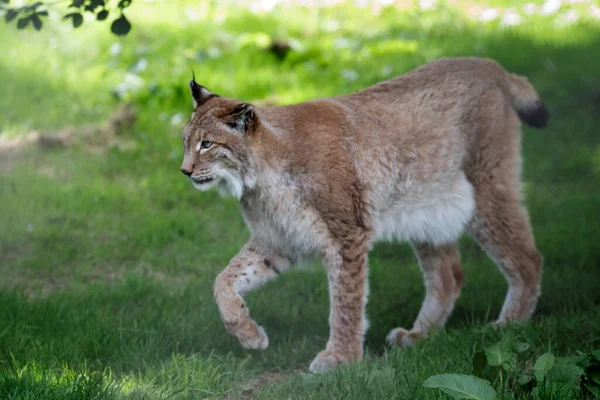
[[535, 115]]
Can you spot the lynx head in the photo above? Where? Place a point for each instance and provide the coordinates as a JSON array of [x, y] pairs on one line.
[[216, 142]]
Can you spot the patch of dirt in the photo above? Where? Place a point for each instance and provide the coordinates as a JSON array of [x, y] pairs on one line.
[[94, 137]]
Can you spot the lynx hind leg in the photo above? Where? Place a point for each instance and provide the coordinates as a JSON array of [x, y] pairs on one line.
[[501, 223], [443, 277], [248, 270], [501, 226]]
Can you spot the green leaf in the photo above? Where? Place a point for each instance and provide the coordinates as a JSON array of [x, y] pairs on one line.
[[33, 6], [500, 354], [10, 15], [582, 360], [462, 386], [120, 26], [124, 4], [593, 373], [521, 347], [102, 15], [77, 3], [594, 390], [36, 21], [543, 364], [564, 379], [76, 19], [23, 22], [596, 354], [523, 379], [479, 363]]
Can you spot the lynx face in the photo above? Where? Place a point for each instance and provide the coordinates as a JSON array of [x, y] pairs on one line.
[[215, 144]]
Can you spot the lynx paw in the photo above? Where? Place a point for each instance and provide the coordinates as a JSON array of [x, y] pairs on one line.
[[252, 336], [402, 337], [326, 361]]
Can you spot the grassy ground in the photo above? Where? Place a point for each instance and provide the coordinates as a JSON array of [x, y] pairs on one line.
[[108, 255]]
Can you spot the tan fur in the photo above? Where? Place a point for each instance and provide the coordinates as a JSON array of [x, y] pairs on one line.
[[422, 157]]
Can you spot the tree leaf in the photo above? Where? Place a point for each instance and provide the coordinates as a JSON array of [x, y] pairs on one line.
[[120, 26], [462, 386], [33, 6], [102, 15], [77, 3], [36, 21], [76, 18], [124, 4], [542, 365], [23, 22], [596, 354], [10, 15]]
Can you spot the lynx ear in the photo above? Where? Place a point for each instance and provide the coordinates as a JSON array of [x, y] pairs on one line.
[[242, 117], [199, 93]]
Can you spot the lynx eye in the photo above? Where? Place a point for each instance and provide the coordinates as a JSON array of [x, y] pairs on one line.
[[204, 145]]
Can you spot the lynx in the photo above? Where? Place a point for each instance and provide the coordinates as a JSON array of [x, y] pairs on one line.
[[422, 158]]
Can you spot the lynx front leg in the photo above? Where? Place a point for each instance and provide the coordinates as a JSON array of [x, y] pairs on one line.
[[443, 281], [250, 268], [347, 276]]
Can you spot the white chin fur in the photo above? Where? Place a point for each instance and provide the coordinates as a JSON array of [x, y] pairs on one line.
[[205, 186], [230, 184]]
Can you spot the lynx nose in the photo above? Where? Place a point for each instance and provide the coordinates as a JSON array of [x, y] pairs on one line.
[[186, 172], [187, 166]]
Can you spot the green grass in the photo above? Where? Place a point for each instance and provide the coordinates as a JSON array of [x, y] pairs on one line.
[[107, 259]]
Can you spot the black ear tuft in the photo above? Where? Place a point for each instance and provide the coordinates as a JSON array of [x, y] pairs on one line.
[[199, 93]]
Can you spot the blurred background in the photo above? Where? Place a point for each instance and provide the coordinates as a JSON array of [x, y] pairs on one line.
[[108, 254]]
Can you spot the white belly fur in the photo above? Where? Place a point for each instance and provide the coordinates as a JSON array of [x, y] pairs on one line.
[[427, 215]]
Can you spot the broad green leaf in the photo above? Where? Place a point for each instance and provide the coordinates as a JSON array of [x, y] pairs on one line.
[[524, 379], [543, 364], [594, 390], [510, 362], [582, 360], [565, 372], [462, 386], [596, 354], [500, 354], [521, 347], [564, 378]]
